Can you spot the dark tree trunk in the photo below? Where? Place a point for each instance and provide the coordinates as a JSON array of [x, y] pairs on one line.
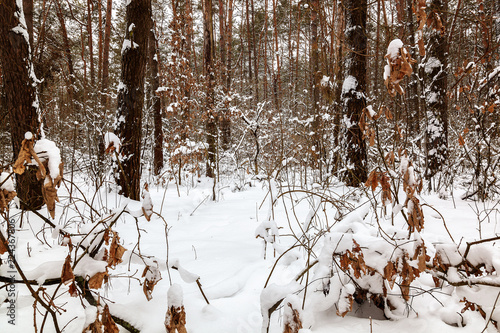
[[435, 94], [315, 82], [208, 67], [67, 49], [28, 16], [224, 117], [105, 57], [19, 93], [90, 43], [353, 93], [131, 97], [155, 103], [413, 106], [226, 120]]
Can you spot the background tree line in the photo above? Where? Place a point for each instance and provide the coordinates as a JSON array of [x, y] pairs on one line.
[[227, 86]]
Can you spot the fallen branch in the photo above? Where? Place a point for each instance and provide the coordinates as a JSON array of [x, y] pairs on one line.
[[84, 287]]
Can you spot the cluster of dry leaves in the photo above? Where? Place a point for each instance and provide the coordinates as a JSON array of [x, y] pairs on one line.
[[106, 324], [5, 197], [293, 324], [175, 320], [368, 131], [49, 192], [400, 66]]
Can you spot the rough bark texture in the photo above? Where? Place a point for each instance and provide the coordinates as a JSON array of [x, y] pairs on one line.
[[155, 103], [435, 94], [353, 93], [413, 107], [131, 97], [19, 93], [66, 43], [208, 67], [225, 28], [315, 82], [105, 57]]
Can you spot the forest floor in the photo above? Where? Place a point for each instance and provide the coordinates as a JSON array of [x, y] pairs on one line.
[[216, 241]]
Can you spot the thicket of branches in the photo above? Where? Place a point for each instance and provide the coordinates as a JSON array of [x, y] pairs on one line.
[[389, 97]]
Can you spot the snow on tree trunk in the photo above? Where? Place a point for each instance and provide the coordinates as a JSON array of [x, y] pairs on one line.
[[208, 68], [353, 93], [435, 69], [20, 97], [413, 106], [128, 125], [155, 102]]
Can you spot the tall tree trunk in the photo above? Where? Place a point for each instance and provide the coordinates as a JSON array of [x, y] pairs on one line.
[[208, 72], [353, 92], [339, 78], [435, 94], [315, 83], [105, 57], [28, 16], [131, 96], [90, 42], [413, 107], [155, 103], [225, 119], [20, 100], [99, 71], [67, 49]]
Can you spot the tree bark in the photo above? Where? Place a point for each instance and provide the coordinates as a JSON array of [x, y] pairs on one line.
[[20, 100], [225, 120], [353, 93], [208, 68], [131, 97], [105, 57], [413, 106], [435, 94], [155, 103], [90, 42], [315, 83]]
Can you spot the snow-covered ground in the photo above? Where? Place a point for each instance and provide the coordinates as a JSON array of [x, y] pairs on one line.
[[216, 241]]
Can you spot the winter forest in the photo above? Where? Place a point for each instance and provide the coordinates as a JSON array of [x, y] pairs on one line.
[[234, 166]]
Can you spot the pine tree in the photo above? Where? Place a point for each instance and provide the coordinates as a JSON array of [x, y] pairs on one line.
[[20, 96], [353, 93], [131, 97]]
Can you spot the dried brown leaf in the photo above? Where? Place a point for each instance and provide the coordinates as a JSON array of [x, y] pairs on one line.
[[461, 140], [390, 273], [372, 180], [5, 198], [50, 197], [95, 282], [350, 299], [116, 251], [73, 291], [3, 247], [67, 272], [296, 324], [23, 157], [108, 322], [175, 320]]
